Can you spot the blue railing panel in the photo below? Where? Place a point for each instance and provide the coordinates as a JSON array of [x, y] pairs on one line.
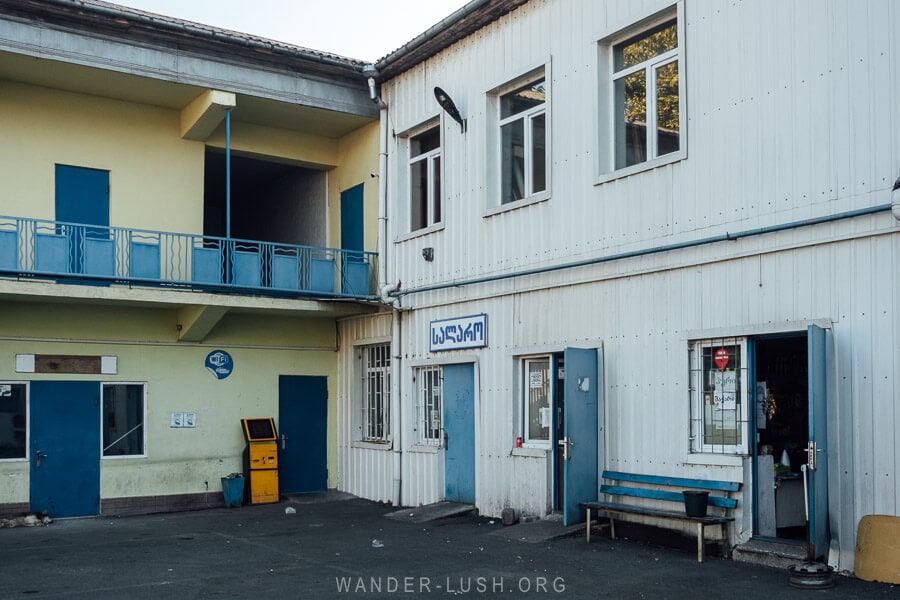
[[89, 253]]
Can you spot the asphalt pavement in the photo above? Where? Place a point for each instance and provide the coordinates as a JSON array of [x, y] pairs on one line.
[[338, 546]]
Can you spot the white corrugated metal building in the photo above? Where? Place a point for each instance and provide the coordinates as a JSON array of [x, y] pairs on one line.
[[696, 193]]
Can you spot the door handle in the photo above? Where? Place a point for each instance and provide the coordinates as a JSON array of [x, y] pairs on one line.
[[446, 441], [283, 440], [566, 444], [811, 450], [38, 457]]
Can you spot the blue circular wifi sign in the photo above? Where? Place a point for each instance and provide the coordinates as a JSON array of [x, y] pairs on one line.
[[219, 363]]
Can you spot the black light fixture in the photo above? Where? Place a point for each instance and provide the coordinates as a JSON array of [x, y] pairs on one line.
[[447, 104]]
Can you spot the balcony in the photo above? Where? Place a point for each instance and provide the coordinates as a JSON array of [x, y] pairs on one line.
[[91, 254]]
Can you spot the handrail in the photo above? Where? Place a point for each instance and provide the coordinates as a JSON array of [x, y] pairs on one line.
[[77, 252]]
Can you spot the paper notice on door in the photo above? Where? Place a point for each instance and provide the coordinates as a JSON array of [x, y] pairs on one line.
[[536, 379], [545, 417]]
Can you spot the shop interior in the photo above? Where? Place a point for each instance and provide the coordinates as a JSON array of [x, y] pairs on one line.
[[782, 426]]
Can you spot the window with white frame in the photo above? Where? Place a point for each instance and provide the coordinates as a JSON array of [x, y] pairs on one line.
[[536, 399], [13, 419], [425, 178], [718, 385], [428, 390], [123, 419], [645, 94], [376, 395], [524, 160]]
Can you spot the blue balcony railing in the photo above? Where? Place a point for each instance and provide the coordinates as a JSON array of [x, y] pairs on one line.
[[115, 255]]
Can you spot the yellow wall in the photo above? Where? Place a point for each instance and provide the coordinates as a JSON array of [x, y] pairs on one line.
[[358, 158], [156, 178], [308, 150], [178, 460]]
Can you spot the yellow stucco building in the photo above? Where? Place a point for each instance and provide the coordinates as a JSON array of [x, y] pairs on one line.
[[186, 213]]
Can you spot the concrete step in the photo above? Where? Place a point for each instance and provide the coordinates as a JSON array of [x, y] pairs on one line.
[[770, 554]]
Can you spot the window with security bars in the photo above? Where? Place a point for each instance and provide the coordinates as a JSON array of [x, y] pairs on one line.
[[376, 403], [428, 386], [719, 399]]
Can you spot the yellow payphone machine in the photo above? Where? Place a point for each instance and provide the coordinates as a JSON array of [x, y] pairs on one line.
[[261, 459]]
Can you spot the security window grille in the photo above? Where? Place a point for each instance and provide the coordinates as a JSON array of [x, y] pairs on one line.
[[718, 386], [377, 392], [537, 400], [646, 95], [123, 419], [428, 380], [523, 141], [13, 419], [425, 179]]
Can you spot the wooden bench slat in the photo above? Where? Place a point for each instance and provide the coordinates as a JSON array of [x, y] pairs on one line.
[[618, 490], [653, 512], [723, 486]]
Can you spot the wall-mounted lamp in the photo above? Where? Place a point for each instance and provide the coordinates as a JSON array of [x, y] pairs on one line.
[[447, 104], [428, 254]]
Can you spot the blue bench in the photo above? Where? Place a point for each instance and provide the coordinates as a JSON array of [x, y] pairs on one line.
[[634, 485]]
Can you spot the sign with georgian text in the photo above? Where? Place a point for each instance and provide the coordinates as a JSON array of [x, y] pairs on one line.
[[459, 333]]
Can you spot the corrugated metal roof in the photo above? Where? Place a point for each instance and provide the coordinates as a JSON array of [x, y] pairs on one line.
[[113, 19], [462, 23]]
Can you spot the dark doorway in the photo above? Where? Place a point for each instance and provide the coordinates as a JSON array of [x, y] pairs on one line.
[[782, 425], [271, 201]]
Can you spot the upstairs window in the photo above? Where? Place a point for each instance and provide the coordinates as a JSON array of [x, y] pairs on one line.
[[425, 179], [523, 141], [646, 95], [642, 95]]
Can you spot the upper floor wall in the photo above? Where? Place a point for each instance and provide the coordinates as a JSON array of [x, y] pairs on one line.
[[759, 114], [192, 131]]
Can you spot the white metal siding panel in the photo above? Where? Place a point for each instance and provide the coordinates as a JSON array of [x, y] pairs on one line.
[[790, 115], [364, 472]]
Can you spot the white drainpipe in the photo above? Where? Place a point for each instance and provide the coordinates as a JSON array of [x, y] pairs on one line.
[[396, 416]]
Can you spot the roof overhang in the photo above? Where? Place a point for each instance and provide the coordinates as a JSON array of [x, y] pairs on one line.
[[92, 47], [464, 22]]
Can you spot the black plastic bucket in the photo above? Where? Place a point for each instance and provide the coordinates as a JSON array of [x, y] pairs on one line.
[[695, 503]]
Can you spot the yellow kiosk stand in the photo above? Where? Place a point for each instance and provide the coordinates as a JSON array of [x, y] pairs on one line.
[[261, 460]]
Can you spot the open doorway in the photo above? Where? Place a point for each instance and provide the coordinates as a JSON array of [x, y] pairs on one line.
[[559, 399], [782, 427], [271, 200]]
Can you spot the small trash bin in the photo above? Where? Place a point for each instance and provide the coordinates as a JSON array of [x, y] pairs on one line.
[[233, 489], [695, 503]]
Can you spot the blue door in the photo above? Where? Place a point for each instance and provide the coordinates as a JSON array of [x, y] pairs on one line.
[[352, 219], [818, 443], [459, 432], [354, 269], [581, 427], [303, 423], [82, 196], [65, 448]]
